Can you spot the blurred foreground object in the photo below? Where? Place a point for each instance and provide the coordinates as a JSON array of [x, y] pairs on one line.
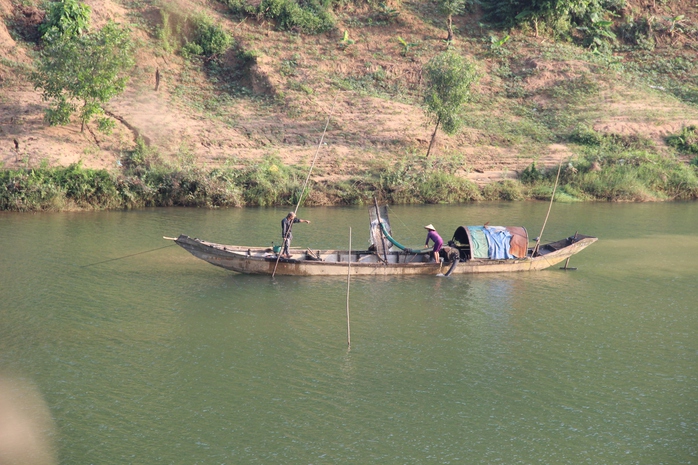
[[26, 426]]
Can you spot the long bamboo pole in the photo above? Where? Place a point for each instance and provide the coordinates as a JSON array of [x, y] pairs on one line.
[[535, 249], [348, 282], [305, 184]]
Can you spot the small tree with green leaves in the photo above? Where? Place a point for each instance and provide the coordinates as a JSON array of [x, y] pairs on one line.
[[451, 8], [210, 39], [449, 78], [65, 19], [83, 73]]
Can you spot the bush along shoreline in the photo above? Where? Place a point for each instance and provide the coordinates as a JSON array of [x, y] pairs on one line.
[[595, 175], [606, 168]]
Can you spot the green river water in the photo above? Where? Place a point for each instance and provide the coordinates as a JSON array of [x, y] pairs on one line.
[[159, 357]]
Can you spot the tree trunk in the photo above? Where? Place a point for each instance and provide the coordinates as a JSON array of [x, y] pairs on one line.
[[450, 29], [433, 136], [82, 117]]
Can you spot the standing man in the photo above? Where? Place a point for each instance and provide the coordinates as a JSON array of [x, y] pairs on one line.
[[438, 242], [286, 236]]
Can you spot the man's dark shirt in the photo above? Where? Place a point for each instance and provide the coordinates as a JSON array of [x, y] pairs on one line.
[[285, 225]]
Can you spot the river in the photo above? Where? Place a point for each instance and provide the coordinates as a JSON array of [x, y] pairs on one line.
[[117, 347]]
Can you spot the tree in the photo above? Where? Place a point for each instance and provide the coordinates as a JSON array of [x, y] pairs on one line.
[[451, 8], [65, 19], [85, 72], [448, 79]]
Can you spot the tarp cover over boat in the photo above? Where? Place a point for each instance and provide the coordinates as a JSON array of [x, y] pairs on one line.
[[492, 242]]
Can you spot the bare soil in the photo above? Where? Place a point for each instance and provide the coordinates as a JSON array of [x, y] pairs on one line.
[[183, 122]]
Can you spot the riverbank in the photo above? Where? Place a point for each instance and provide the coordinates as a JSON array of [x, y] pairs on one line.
[[271, 93], [600, 173]]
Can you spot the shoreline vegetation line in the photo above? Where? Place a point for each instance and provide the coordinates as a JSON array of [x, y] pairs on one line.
[[270, 183]]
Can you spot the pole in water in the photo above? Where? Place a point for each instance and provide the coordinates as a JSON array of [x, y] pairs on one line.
[[348, 281], [567, 262]]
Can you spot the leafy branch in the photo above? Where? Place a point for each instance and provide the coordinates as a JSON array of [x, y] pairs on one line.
[[406, 46]]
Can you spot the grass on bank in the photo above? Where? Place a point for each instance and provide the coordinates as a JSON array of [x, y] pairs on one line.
[[606, 168], [616, 168]]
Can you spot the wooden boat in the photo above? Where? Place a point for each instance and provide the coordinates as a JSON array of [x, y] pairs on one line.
[[464, 254], [261, 260]]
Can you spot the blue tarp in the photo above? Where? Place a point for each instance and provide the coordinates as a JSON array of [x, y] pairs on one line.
[[478, 242], [499, 242]]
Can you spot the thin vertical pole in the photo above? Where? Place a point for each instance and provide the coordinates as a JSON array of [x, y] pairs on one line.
[[348, 281], [568, 258], [540, 236]]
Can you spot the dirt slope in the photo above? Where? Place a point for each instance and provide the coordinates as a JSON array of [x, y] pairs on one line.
[[189, 118]]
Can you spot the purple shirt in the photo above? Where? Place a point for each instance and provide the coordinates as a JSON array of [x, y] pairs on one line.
[[434, 236]]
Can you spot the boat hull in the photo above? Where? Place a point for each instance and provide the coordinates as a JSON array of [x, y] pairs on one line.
[[251, 260]]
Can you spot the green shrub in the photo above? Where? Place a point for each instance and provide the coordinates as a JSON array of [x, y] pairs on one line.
[[351, 192], [594, 141], [270, 182], [616, 184], [686, 141], [307, 16], [145, 181], [562, 194], [631, 176], [210, 39], [140, 157], [446, 188], [312, 18], [531, 174], [105, 125], [416, 179], [669, 178], [82, 185], [57, 189], [65, 19], [192, 49], [249, 55], [561, 17], [504, 190], [584, 135], [25, 190], [60, 112], [638, 32], [240, 7]]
